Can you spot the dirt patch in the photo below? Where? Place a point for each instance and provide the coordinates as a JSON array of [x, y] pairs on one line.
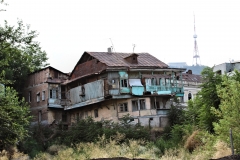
[[233, 157], [119, 158]]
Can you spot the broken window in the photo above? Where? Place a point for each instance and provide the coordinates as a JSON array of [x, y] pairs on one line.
[[95, 113], [38, 97], [123, 107], [124, 83], [135, 105], [29, 96], [142, 104], [43, 95]]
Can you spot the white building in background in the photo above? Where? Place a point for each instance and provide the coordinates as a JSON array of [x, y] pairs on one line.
[[227, 67], [191, 86]]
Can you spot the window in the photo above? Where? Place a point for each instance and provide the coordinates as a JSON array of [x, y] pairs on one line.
[[39, 116], [156, 105], [161, 82], [81, 115], [85, 114], [50, 91], [189, 96], [167, 81], [56, 94], [142, 104], [64, 117], [123, 107], [53, 93], [153, 81], [38, 97], [77, 116], [124, 83], [43, 95], [95, 113], [29, 96], [134, 105]]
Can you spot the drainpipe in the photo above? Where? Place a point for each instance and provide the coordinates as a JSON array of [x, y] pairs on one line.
[[181, 81], [139, 113]]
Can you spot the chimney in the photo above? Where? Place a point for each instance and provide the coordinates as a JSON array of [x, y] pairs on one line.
[[109, 50], [189, 71]]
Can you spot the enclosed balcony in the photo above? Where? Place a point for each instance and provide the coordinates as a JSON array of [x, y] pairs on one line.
[[164, 86]]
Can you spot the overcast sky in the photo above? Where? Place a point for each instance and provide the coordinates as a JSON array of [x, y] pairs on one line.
[[163, 28]]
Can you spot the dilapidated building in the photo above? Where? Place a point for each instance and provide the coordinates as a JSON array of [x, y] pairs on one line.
[[106, 86], [42, 91]]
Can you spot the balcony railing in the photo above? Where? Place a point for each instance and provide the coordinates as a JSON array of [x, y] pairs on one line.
[[164, 89]]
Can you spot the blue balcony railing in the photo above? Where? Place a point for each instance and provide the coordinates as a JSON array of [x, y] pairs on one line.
[[164, 89]]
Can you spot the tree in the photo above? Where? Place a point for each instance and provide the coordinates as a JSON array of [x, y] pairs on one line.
[[14, 118], [19, 54], [229, 110], [208, 98]]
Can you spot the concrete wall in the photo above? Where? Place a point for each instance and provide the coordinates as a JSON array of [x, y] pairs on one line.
[[109, 110]]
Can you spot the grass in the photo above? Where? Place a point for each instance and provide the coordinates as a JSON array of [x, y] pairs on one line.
[[202, 146]]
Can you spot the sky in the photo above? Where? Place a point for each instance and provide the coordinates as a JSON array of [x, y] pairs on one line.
[[163, 28]]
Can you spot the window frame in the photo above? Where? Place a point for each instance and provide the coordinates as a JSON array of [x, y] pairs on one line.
[[124, 83], [140, 104], [38, 97], [96, 115], [123, 107], [30, 96], [43, 95], [134, 105]]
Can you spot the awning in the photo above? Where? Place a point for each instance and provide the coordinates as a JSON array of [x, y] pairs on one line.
[[135, 82]]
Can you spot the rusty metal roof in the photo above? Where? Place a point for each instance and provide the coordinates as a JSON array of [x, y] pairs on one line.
[[118, 59], [191, 77]]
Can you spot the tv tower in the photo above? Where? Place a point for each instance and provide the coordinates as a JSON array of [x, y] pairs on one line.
[[195, 51]]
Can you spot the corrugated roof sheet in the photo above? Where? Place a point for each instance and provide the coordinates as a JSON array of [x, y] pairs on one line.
[[191, 77], [117, 59]]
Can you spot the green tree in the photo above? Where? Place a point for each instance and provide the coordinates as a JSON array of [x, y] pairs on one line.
[[229, 111], [19, 54], [207, 98], [14, 118]]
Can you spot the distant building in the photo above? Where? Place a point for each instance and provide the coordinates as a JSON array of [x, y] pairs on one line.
[[178, 64], [227, 68], [197, 69], [191, 86]]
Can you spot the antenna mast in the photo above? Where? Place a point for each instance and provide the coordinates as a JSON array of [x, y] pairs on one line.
[[195, 51], [112, 45], [133, 47]]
